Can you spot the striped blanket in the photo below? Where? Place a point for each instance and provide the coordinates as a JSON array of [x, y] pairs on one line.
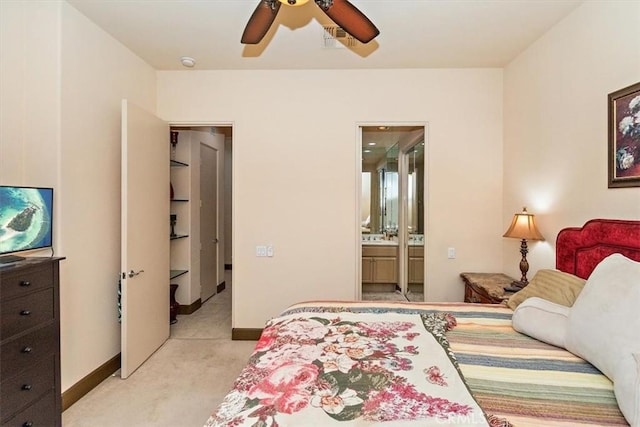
[[512, 376]]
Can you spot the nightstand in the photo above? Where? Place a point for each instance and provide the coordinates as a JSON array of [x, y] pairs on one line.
[[486, 288]]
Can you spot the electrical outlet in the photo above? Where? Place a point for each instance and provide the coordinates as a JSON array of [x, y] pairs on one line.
[[261, 250], [451, 253]]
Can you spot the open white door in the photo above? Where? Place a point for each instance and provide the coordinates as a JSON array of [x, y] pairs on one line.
[[145, 236]]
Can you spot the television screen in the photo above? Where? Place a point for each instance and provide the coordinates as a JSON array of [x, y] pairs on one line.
[[26, 215]]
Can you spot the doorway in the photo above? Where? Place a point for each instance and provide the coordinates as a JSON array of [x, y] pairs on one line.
[[392, 214], [202, 196]]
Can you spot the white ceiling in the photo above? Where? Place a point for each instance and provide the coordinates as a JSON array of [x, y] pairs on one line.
[[413, 33]]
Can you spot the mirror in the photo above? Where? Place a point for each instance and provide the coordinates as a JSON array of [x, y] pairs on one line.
[[415, 193], [379, 207], [365, 204], [389, 186], [379, 201], [414, 158]]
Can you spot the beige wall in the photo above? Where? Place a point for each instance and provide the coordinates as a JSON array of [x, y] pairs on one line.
[[97, 72], [62, 82], [30, 101], [555, 124], [294, 172]]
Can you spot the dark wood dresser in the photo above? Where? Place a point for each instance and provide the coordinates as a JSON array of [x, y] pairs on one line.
[[30, 343]]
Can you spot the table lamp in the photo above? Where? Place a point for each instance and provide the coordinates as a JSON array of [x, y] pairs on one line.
[[523, 227]]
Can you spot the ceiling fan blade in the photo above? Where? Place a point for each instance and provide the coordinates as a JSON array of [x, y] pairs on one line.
[[350, 19], [260, 21]]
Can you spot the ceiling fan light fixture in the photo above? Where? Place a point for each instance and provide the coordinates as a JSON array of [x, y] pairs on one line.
[[342, 12], [294, 2]]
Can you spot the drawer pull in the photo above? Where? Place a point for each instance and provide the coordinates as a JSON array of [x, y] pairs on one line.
[[27, 350], [27, 424], [26, 387], [25, 283], [25, 313]]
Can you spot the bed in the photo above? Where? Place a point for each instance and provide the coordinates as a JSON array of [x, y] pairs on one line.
[[422, 364]]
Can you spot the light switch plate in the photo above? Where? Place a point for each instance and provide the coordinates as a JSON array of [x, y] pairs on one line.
[[261, 250], [451, 253]]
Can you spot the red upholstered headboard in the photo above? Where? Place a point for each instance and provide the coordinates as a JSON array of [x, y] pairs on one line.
[[580, 249]]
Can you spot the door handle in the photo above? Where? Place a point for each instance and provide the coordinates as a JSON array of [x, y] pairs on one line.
[[135, 273], [215, 240]]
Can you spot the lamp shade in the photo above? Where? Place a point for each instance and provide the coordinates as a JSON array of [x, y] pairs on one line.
[[523, 226]]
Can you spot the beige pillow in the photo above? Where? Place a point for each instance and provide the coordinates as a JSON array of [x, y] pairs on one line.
[[552, 285]]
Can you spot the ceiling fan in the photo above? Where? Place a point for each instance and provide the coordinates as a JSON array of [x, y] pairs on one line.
[[342, 12]]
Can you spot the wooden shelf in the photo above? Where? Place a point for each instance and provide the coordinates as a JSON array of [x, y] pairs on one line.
[[176, 273], [177, 164]]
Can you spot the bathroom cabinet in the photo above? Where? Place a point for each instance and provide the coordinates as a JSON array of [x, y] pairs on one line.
[[380, 264], [416, 265]]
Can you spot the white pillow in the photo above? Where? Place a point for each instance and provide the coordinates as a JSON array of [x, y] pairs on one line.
[[543, 320], [604, 328]]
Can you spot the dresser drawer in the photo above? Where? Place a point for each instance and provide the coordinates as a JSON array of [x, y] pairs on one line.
[[27, 311], [42, 413], [25, 388], [24, 280], [24, 352]]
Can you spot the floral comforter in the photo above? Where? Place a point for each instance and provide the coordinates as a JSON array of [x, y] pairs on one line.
[[323, 368]]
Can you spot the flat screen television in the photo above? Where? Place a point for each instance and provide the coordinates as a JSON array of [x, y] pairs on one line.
[[26, 220]]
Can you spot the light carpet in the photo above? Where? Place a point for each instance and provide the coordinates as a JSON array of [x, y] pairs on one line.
[[383, 296], [181, 384]]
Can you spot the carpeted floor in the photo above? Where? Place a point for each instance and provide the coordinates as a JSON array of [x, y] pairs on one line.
[[383, 296], [181, 384], [393, 296], [415, 296]]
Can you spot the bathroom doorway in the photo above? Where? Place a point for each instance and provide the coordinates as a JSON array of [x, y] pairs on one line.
[[392, 214]]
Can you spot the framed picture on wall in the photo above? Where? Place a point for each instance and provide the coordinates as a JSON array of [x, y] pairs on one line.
[[624, 137]]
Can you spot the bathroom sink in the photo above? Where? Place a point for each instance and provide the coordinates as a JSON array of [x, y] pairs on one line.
[[380, 242]]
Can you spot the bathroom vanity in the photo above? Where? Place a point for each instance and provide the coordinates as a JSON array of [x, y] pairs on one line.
[[380, 265]]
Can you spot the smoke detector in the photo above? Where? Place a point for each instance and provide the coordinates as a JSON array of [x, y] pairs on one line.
[[188, 61]]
